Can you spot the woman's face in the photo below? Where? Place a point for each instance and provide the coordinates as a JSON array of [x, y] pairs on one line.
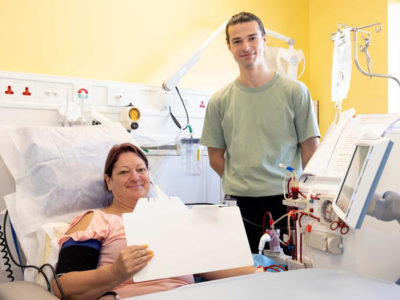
[[130, 178]]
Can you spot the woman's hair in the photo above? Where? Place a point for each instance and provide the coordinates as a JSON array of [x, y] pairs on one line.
[[114, 154], [243, 17]]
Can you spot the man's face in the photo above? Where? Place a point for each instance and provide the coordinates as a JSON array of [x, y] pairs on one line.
[[246, 44]]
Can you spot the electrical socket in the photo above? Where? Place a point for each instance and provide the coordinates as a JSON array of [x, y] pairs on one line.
[[28, 91], [15, 90]]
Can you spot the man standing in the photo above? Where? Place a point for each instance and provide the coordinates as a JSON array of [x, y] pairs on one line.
[[260, 120]]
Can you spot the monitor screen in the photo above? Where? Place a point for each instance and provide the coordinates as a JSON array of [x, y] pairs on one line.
[[354, 172], [358, 185]]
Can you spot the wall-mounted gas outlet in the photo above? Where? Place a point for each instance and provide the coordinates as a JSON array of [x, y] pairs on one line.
[[86, 93]]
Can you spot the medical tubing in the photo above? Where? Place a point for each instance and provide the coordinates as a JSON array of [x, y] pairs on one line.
[[184, 106], [304, 196], [305, 214], [290, 169], [289, 192], [29, 266], [14, 235], [283, 243], [5, 256], [290, 231], [273, 224], [301, 247], [271, 268], [315, 197], [270, 220], [282, 217], [187, 115], [274, 266], [283, 188], [56, 279]]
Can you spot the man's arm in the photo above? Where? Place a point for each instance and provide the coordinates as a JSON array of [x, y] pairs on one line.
[[308, 148], [217, 160]]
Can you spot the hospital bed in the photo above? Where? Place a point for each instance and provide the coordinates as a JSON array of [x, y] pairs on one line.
[[304, 284], [38, 212]]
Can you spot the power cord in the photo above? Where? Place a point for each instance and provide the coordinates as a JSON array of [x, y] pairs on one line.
[[5, 256], [40, 270], [173, 117]]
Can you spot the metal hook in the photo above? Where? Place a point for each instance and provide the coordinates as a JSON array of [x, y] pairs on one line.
[[343, 25], [379, 29], [366, 32], [333, 36], [367, 42]]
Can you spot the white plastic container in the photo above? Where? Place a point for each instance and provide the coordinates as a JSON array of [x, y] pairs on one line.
[[191, 158]]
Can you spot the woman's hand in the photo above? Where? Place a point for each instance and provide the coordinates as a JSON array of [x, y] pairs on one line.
[[131, 260]]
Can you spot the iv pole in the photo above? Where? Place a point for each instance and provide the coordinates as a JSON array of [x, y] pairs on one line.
[[358, 29]]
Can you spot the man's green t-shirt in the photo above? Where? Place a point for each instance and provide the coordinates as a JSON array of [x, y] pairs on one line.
[[259, 128]]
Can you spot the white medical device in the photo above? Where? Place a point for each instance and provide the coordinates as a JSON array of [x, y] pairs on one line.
[[358, 185], [129, 116], [292, 59]]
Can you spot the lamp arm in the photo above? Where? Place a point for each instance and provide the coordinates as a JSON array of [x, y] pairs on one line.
[[172, 81], [279, 36]]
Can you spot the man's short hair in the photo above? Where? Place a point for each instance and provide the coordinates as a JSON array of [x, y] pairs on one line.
[[243, 17]]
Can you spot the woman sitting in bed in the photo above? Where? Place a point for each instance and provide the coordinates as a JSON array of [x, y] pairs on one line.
[[94, 258]]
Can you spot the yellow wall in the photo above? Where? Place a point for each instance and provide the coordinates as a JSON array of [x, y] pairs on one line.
[[365, 95], [135, 41], [144, 41]]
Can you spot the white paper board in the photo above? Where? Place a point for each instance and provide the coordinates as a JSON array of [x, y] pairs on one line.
[[187, 241]]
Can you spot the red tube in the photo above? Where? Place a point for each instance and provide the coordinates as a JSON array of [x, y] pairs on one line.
[[295, 190]]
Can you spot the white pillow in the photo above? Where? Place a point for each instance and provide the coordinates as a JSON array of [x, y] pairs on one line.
[[48, 250], [58, 173]]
